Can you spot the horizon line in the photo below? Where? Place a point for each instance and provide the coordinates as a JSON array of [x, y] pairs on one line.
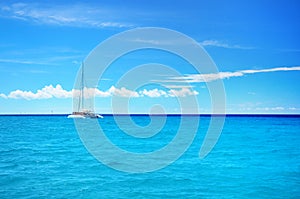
[[167, 114]]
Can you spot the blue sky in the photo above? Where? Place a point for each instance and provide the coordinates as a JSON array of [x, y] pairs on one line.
[[255, 45]]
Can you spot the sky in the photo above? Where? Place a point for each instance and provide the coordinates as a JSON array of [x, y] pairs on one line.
[[254, 44]]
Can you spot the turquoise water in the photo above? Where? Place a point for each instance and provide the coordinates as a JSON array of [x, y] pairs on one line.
[[255, 157]]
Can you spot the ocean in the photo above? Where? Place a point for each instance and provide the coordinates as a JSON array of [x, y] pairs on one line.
[[256, 156]]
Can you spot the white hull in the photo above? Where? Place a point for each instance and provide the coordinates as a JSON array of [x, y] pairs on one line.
[[84, 116], [76, 116]]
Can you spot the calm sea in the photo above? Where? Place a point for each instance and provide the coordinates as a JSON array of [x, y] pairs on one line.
[[255, 157]]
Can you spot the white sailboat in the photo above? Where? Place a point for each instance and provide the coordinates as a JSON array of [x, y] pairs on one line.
[[81, 112]]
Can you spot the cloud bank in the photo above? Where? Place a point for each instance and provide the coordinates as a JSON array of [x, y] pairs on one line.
[[45, 93], [58, 92]]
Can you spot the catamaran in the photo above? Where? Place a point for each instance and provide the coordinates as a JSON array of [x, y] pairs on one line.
[[81, 112]]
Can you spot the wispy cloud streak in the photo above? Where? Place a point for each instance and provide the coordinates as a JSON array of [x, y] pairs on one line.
[[194, 78], [76, 15], [220, 44], [27, 62]]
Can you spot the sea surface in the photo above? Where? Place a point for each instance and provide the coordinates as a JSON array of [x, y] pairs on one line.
[[255, 157]]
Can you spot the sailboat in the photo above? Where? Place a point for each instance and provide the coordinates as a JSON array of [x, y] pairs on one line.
[[81, 112]]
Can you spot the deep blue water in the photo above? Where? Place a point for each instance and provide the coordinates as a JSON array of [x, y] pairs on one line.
[[255, 157]]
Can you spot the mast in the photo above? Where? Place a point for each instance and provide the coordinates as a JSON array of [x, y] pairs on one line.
[[81, 94], [82, 86]]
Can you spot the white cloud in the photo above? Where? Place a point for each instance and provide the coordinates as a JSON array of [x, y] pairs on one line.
[[293, 108], [58, 92], [99, 93], [193, 78], [154, 42], [171, 86], [296, 68], [217, 43], [182, 92], [123, 92], [76, 15], [251, 93], [278, 108], [3, 96], [153, 93], [53, 92], [90, 92], [22, 62], [206, 77], [45, 93], [42, 59]]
